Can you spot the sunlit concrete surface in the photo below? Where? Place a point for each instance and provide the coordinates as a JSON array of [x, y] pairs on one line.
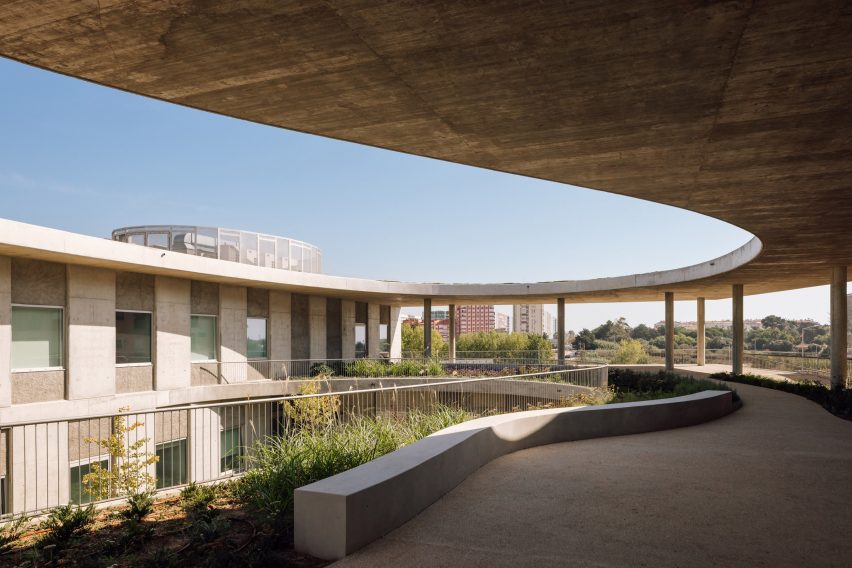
[[769, 485]]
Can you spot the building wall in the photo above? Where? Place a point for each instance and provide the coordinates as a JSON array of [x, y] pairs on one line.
[[301, 339], [333, 329], [317, 327], [91, 332], [280, 329], [172, 349], [527, 318], [5, 331]]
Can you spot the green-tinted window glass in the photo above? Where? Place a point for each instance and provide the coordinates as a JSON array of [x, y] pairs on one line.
[[360, 340], [256, 338], [79, 495], [203, 338], [36, 337], [171, 465], [132, 337], [230, 448]]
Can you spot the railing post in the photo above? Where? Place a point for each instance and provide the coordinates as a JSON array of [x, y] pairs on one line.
[[452, 330], [427, 328], [560, 330], [838, 327]]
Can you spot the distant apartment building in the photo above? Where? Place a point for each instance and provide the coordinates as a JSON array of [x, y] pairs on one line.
[[440, 314], [473, 319], [528, 318], [502, 322], [442, 326], [547, 323]]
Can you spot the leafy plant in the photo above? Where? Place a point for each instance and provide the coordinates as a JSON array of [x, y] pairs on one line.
[[314, 411], [196, 500], [321, 370], [129, 473], [140, 505], [66, 522]]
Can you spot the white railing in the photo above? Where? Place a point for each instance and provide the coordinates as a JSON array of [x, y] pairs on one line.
[[53, 463]]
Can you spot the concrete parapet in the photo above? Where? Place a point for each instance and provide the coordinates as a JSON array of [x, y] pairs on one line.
[[341, 514]]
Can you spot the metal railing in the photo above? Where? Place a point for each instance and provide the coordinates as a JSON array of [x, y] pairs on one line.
[[229, 372], [55, 462]]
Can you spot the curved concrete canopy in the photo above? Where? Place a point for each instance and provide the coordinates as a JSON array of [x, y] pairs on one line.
[[737, 110]]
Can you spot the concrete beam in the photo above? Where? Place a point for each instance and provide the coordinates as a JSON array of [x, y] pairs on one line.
[[738, 346], [669, 331], [839, 327], [427, 328], [701, 336], [91, 332], [560, 330]]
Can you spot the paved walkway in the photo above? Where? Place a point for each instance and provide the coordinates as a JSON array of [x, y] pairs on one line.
[[770, 485]]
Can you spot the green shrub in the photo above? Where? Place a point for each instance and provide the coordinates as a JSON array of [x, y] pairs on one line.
[[196, 499], [314, 411], [407, 368], [281, 464], [12, 531], [630, 352], [66, 522], [140, 506], [632, 386], [837, 401], [368, 368], [321, 370]]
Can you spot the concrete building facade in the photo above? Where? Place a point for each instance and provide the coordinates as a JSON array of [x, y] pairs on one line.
[[528, 318]]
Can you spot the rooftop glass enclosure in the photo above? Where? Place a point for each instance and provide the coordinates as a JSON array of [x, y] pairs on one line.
[[226, 244]]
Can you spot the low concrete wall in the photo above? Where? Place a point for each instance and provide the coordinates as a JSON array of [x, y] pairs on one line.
[[341, 514]]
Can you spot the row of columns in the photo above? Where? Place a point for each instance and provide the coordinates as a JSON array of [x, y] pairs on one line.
[[838, 326]]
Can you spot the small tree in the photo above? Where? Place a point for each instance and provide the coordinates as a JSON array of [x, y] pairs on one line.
[[128, 474], [312, 412]]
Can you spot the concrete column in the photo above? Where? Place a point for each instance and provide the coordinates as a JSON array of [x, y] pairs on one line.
[[91, 332], [700, 338], [560, 330], [839, 325], [427, 328], [373, 319], [396, 332], [669, 331], [452, 347], [738, 346], [38, 472], [280, 330], [205, 425], [5, 331], [172, 346], [233, 331], [347, 321], [317, 325]]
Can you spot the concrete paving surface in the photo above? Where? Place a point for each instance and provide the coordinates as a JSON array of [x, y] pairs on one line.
[[770, 485]]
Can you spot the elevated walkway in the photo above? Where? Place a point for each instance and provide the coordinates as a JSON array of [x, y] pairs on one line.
[[769, 485]]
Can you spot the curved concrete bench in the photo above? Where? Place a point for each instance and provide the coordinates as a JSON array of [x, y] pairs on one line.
[[338, 515]]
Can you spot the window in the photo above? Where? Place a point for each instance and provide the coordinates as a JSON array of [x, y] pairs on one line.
[[132, 337], [202, 338], [158, 240], [295, 257], [360, 329], [360, 340], [205, 242], [256, 338], [37, 334], [283, 260], [230, 448], [229, 246], [79, 495], [171, 463]]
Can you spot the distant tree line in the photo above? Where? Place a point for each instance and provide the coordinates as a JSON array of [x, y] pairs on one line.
[[491, 344], [777, 334]]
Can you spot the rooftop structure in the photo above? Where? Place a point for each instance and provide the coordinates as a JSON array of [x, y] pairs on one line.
[[256, 249]]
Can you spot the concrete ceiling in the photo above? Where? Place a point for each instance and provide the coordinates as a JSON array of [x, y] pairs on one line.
[[738, 110]]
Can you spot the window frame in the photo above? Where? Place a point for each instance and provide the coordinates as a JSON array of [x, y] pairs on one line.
[[62, 340], [265, 339], [182, 474], [235, 457], [215, 339], [100, 458], [150, 339]]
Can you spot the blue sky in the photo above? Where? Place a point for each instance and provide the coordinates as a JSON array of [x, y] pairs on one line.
[[84, 158]]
